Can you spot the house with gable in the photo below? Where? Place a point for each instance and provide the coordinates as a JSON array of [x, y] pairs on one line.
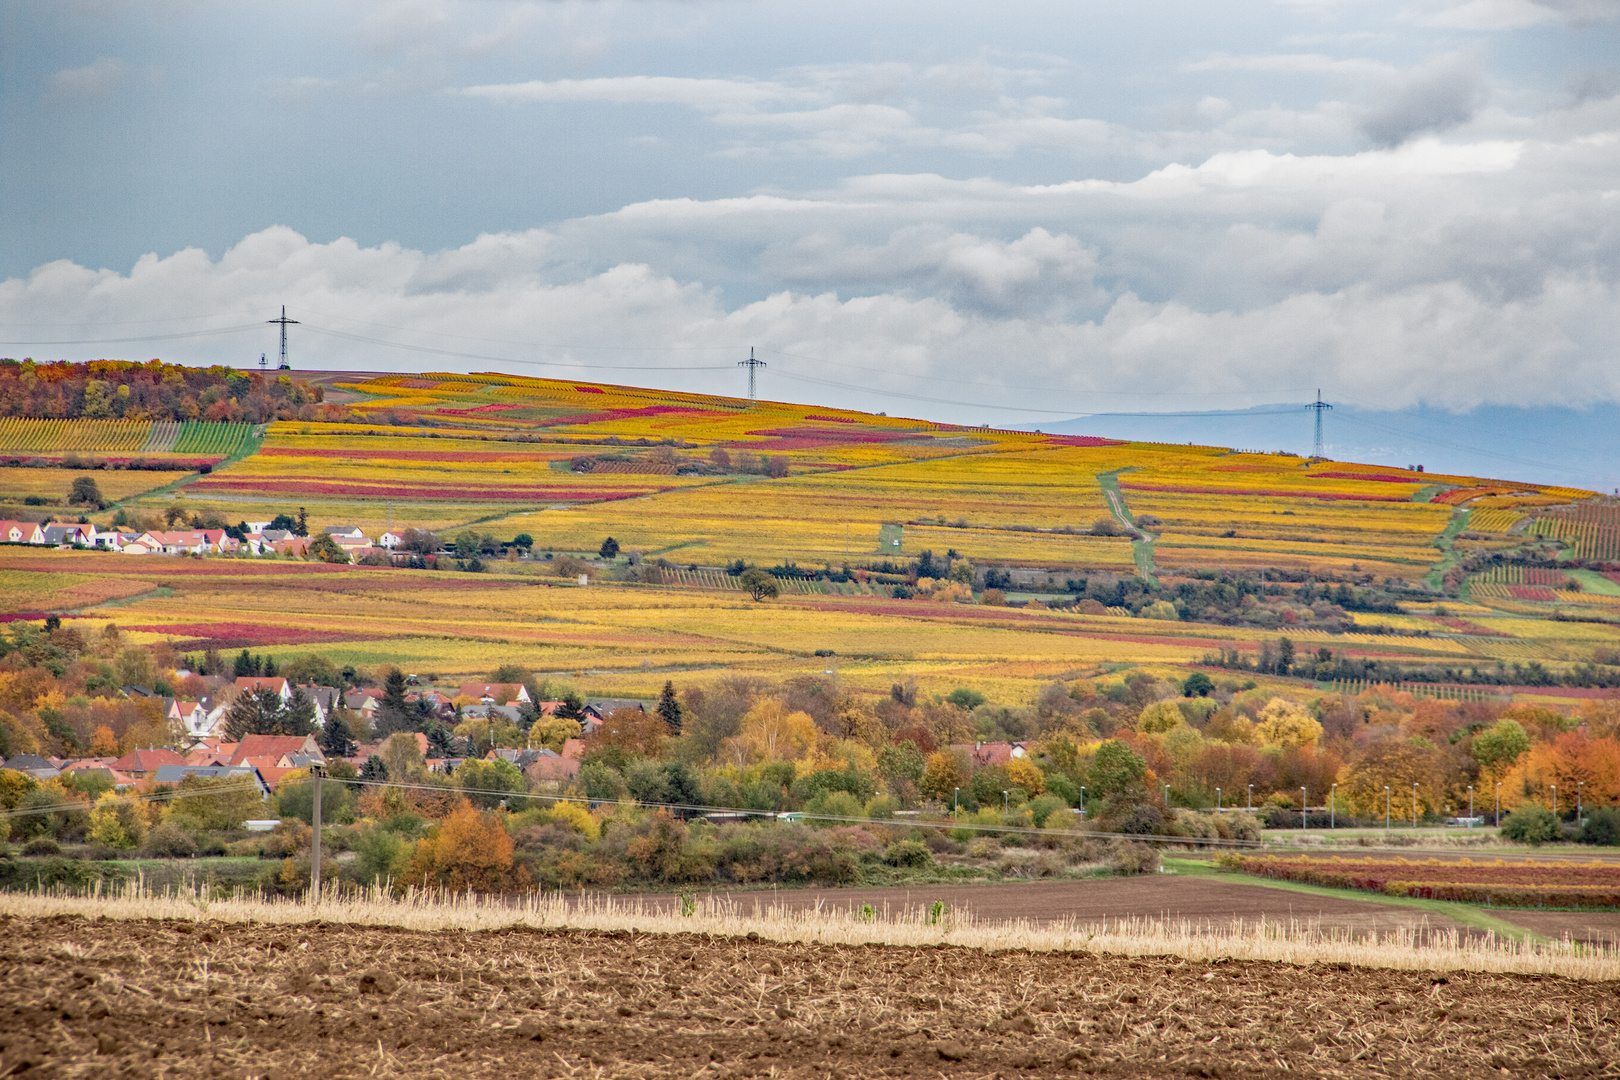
[[495, 693], [144, 764], [21, 532], [252, 684]]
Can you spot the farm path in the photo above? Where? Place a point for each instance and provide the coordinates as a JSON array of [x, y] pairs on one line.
[[104, 997]]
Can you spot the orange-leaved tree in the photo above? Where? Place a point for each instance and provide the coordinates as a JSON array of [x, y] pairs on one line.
[[470, 850]]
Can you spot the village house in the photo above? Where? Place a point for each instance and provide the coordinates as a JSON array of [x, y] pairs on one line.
[[173, 774], [144, 764], [495, 693], [21, 532]]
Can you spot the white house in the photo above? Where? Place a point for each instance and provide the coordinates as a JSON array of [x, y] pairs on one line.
[[390, 539], [21, 532]]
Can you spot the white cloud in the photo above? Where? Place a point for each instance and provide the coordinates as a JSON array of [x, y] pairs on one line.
[[93, 82], [1294, 64], [709, 95]]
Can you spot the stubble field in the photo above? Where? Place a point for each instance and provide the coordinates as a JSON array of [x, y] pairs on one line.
[[106, 997]]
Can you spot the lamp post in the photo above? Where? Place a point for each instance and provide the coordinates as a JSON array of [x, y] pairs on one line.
[[1082, 801], [1470, 806], [1167, 796], [956, 803], [1333, 807], [1304, 811], [1579, 784], [1386, 808], [1006, 801], [1414, 804], [1251, 797], [1555, 800], [1499, 804], [1217, 800]]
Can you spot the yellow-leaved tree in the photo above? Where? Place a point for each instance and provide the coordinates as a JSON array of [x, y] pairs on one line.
[[1023, 773], [771, 733], [1286, 723], [1161, 716]]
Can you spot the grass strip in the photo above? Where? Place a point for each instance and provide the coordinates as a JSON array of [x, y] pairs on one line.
[[1467, 914]]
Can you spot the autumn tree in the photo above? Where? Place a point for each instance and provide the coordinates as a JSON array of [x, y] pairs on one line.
[[1285, 723], [1499, 746], [770, 732], [942, 775], [469, 850]]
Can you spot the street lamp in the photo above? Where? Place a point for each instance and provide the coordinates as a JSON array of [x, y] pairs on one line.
[[1217, 800], [956, 803], [1082, 800], [1386, 808], [1304, 811], [1251, 796], [1414, 804], [1499, 804], [1006, 801], [1579, 784], [1167, 796], [1333, 807], [1470, 806], [1555, 800]]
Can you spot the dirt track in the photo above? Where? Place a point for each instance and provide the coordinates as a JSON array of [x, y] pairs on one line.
[[107, 998]]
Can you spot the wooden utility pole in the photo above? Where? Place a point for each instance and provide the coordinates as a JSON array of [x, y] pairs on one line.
[[315, 842]]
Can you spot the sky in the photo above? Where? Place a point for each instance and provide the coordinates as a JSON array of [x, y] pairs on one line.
[[1017, 213]]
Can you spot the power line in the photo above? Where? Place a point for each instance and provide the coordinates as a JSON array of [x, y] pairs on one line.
[[149, 337]]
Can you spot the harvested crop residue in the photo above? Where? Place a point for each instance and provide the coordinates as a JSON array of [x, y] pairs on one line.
[[145, 998]]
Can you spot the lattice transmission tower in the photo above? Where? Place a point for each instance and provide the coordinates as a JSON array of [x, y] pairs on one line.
[[752, 365], [285, 322], [1320, 407]]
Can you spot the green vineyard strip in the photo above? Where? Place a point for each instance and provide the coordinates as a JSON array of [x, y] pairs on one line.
[[18, 435], [201, 437]]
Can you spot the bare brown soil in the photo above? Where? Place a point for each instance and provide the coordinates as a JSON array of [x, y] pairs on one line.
[[1200, 900], [152, 998]]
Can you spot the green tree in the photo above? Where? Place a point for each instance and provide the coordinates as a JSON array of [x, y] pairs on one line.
[[610, 548], [487, 783], [393, 711], [669, 708], [758, 584], [335, 739], [1530, 824], [523, 542], [222, 802], [1115, 768], [1197, 685], [1499, 746], [85, 492], [256, 712], [326, 549]]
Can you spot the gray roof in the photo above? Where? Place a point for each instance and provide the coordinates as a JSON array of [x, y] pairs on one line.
[[23, 762], [173, 774]]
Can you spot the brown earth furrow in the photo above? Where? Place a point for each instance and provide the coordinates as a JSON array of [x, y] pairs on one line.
[[129, 998]]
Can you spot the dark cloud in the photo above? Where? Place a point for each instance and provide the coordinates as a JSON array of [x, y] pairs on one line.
[[1441, 94]]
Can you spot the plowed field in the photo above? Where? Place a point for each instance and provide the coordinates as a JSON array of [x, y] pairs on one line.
[[149, 998]]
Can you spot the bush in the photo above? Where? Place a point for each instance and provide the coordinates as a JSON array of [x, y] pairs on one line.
[[912, 853], [1043, 807], [1129, 857], [170, 841], [41, 846], [1530, 824], [1602, 827], [833, 804]]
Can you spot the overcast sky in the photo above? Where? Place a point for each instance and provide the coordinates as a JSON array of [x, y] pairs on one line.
[[971, 211]]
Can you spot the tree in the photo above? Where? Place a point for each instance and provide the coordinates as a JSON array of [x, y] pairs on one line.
[[488, 783], [770, 732], [85, 492], [470, 850], [310, 669], [1160, 717], [393, 711], [303, 523], [1284, 723], [1115, 768], [336, 740], [1499, 746], [758, 584], [262, 712], [284, 523], [523, 542], [1197, 685], [419, 541], [215, 802], [942, 775], [326, 549], [401, 755], [669, 707], [610, 548]]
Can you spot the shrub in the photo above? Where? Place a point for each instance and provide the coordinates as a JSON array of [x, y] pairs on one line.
[[833, 804], [1602, 827], [41, 846], [1042, 808], [117, 823], [912, 853], [170, 841], [1129, 857], [1530, 824]]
